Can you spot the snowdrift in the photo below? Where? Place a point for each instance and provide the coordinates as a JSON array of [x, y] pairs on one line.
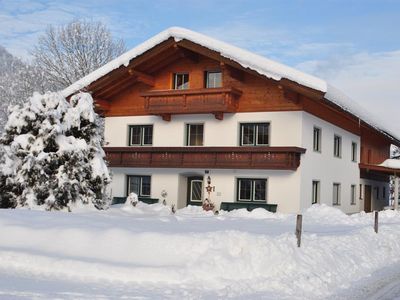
[[237, 254]]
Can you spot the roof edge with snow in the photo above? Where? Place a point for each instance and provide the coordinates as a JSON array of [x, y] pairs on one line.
[[246, 59]]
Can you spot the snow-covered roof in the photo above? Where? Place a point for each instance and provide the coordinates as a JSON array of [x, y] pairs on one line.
[[246, 59], [391, 163]]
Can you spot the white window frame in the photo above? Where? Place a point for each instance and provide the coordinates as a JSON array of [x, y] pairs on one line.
[[253, 190], [353, 194], [339, 146], [188, 125], [176, 82], [316, 194], [319, 144], [354, 151], [255, 133], [338, 194], [142, 130], [141, 185]]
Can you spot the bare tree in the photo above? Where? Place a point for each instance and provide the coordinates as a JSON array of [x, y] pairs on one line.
[[69, 52], [18, 81]]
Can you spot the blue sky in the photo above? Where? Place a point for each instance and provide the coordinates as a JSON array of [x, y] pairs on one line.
[[353, 44]]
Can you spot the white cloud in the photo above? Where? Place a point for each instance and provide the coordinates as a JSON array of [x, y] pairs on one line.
[[372, 79]]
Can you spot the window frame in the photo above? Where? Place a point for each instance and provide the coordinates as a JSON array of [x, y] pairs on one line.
[[142, 128], [141, 177], [206, 79], [315, 194], [319, 144], [191, 190], [338, 202], [252, 190], [174, 80], [188, 131], [339, 148], [255, 133], [361, 195], [354, 151], [353, 194]]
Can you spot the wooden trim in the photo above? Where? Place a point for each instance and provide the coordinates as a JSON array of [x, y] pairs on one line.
[[259, 158], [379, 169]]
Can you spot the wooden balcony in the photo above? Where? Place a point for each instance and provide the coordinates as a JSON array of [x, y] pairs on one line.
[[192, 101], [268, 158]]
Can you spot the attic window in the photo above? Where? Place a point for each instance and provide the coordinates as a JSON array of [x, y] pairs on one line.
[[181, 81], [213, 79]]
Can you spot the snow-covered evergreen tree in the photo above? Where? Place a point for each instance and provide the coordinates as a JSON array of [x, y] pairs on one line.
[[53, 155]]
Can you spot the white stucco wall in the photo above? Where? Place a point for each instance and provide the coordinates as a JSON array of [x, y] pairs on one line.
[[291, 190], [325, 167], [285, 128], [225, 181]]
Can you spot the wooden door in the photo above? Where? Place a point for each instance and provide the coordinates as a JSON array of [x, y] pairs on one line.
[[367, 198]]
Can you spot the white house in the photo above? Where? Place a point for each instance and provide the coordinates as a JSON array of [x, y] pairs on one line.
[[182, 109]]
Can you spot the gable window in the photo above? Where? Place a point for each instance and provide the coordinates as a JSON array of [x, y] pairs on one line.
[[254, 134], [194, 134], [213, 79], [140, 185], [181, 81], [353, 194], [354, 151], [337, 146], [317, 139], [250, 189], [336, 194], [315, 192], [140, 135]]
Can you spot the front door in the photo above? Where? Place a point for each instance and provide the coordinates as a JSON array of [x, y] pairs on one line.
[[195, 190], [367, 198]]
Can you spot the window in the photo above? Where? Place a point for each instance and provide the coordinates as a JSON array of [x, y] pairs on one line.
[[252, 189], [181, 81], [194, 134], [315, 192], [213, 79], [140, 185], [353, 194], [354, 151], [317, 139], [361, 197], [140, 135], [254, 134], [337, 146], [336, 194]]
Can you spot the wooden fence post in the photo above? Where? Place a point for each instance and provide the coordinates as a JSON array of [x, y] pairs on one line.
[[376, 222], [299, 225]]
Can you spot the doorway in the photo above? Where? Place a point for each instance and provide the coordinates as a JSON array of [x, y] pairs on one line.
[[367, 198], [194, 190]]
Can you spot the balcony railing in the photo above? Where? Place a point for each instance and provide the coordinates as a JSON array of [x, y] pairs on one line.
[[192, 101], [273, 158]]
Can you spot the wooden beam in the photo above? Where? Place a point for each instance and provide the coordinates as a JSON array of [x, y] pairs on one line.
[[166, 117], [102, 104], [121, 88], [162, 63], [219, 115], [142, 77], [113, 85]]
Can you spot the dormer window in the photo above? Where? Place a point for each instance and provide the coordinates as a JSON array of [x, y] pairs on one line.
[[181, 81], [213, 79]]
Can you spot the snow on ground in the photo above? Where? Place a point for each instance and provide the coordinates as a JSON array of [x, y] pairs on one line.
[[145, 252]]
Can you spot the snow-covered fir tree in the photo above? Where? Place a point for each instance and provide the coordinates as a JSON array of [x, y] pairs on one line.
[[53, 155]]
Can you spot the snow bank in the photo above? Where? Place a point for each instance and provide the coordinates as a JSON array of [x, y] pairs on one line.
[[235, 254]]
